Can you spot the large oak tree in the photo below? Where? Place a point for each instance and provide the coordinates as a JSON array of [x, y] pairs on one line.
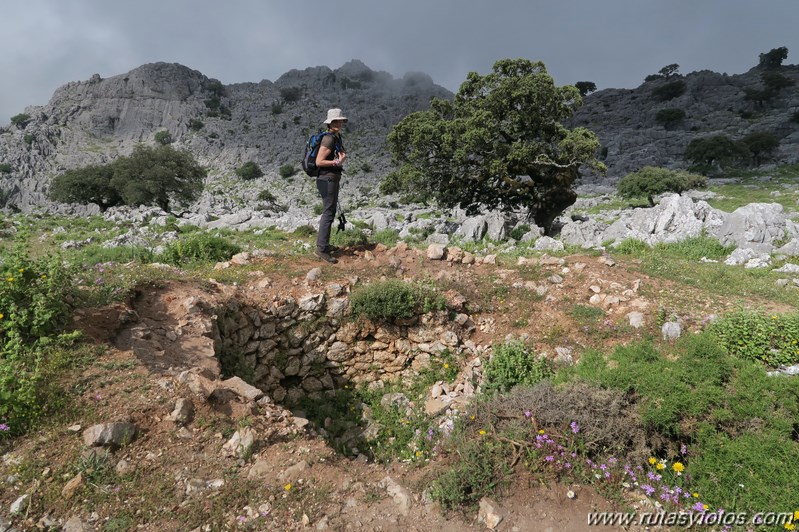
[[500, 144]]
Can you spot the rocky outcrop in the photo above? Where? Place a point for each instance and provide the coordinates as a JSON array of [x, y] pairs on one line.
[[223, 126], [714, 104]]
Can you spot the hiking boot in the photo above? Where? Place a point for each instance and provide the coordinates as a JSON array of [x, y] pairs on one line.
[[332, 249], [325, 256]]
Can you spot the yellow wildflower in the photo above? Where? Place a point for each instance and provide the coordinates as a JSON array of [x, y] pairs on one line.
[[418, 453], [287, 487], [790, 526], [540, 431], [2, 315], [796, 515], [446, 366], [652, 460], [678, 467], [482, 433], [696, 495], [471, 417], [660, 466], [10, 279]]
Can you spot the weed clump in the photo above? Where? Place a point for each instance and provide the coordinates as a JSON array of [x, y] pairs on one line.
[[199, 247], [394, 299]]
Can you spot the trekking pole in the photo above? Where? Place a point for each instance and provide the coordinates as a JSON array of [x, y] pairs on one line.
[[342, 220]]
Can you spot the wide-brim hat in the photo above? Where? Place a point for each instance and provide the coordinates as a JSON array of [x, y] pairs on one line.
[[335, 114]]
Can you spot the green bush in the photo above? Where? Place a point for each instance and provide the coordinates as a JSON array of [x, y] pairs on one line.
[[21, 120], [32, 311], [760, 144], [669, 90], [650, 181], [249, 170], [755, 335], [348, 237], [513, 364], [163, 137], [195, 124], [669, 117], [716, 151], [29, 138], [393, 299], [5, 168], [291, 94], [519, 231], [199, 247], [267, 196], [480, 470], [738, 423], [287, 170]]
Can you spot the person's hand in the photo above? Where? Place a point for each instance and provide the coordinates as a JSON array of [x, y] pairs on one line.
[[341, 157]]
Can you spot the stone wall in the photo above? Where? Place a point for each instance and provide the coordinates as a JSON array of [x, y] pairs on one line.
[[290, 348]]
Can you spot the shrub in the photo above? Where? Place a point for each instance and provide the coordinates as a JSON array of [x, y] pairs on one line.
[[348, 237], [277, 108], [249, 170], [480, 470], [760, 144], [291, 94], [287, 170], [21, 120], [519, 231], [716, 151], [32, 311], [755, 335], [669, 90], [669, 117], [774, 81], [393, 299], [195, 124], [388, 237], [5, 168], [585, 87], [29, 138], [651, 181], [199, 247], [90, 184], [513, 364], [267, 196], [163, 137], [773, 58]]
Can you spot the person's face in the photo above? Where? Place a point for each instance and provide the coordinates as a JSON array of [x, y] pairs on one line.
[[336, 125]]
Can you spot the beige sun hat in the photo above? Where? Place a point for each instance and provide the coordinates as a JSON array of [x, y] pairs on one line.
[[335, 114]]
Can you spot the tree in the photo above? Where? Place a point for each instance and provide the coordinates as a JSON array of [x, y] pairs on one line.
[[156, 175], [499, 144], [669, 70], [669, 90], [585, 87], [669, 117], [650, 181], [773, 58], [90, 184], [21, 120], [715, 152], [760, 145]]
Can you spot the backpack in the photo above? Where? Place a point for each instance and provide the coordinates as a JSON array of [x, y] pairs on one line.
[[311, 149]]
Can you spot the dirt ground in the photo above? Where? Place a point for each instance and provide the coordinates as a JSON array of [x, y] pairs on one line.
[[301, 482]]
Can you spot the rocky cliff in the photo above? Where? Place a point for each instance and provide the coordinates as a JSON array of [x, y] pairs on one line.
[[626, 120], [225, 126]]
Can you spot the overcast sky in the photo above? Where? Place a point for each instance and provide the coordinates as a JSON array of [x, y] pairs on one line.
[[614, 43]]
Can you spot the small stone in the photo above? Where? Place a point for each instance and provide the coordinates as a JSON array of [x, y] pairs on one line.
[[489, 514], [19, 505], [72, 486]]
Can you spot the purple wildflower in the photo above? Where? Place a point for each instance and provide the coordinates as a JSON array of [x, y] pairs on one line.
[[699, 507], [683, 449], [549, 458], [4, 427], [648, 489], [575, 427], [528, 414]]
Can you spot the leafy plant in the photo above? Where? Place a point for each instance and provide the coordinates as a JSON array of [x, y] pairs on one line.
[[670, 117], [512, 364], [163, 137], [197, 247], [760, 336], [21, 120], [249, 170], [650, 181], [287, 170], [669, 91], [394, 299], [5, 168]]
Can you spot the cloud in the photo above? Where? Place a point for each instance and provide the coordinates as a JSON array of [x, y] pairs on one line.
[[614, 43]]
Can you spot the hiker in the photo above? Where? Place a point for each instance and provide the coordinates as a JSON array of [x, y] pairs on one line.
[[329, 161]]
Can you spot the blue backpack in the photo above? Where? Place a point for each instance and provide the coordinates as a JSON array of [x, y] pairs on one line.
[[311, 149]]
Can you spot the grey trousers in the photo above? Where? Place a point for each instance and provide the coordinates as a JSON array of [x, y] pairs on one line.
[[328, 190]]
